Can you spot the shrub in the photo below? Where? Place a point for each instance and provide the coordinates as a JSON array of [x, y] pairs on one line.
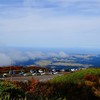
[[8, 91], [91, 77]]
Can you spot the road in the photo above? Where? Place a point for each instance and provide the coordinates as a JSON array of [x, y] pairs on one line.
[[26, 78]]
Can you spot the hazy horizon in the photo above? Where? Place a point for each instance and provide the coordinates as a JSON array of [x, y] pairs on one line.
[[11, 55]]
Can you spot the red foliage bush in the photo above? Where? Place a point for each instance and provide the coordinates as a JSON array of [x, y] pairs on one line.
[[23, 85], [35, 90], [27, 86], [32, 84], [90, 77]]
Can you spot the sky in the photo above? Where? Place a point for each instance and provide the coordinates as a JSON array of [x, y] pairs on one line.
[[50, 23]]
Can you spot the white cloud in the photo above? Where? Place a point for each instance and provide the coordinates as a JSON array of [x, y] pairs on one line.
[[46, 24], [5, 60], [35, 24], [52, 54], [11, 56], [17, 56], [38, 30], [63, 54]]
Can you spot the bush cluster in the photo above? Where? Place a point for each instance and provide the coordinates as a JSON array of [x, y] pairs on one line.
[[86, 87]]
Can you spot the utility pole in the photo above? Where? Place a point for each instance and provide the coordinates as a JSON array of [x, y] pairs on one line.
[[11, 72]]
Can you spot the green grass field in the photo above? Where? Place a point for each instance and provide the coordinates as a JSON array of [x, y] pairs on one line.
[[77, 76]]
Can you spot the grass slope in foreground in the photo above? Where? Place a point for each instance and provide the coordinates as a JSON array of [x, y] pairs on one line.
[[77, 76]]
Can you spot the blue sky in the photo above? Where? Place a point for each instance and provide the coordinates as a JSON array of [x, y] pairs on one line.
[[50, 23]]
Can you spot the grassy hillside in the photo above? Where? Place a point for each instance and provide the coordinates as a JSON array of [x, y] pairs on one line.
[[77, 76]]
